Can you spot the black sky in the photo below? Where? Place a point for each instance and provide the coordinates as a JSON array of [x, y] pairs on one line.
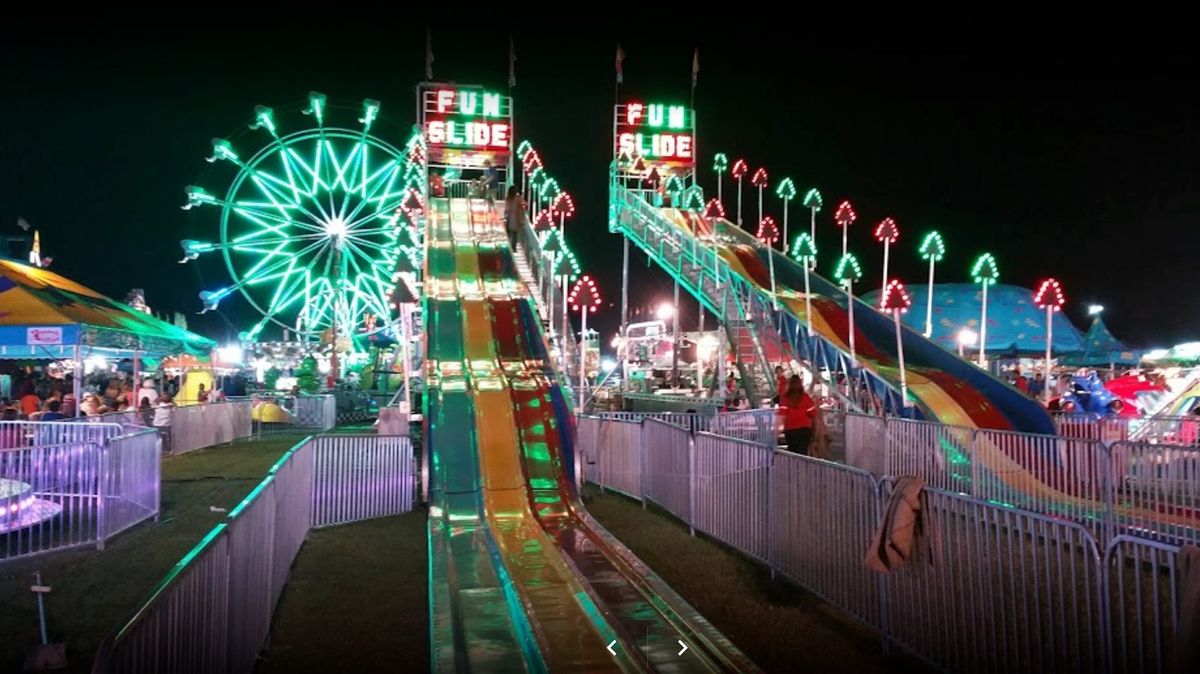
[[1078, 164]]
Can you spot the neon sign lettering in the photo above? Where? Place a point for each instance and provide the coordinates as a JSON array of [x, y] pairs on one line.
[[467, 119], [657, 132]]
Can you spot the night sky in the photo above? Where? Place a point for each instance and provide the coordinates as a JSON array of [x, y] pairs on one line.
[[1074, 165]]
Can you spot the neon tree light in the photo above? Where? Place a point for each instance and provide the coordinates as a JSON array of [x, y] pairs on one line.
[[664, 134], [307, 252], [565, 269], [720, 167], [786, 190], [932, 249], [544, 222], [985, 272], [759, 180], [674, 188], [846, 272], [844, 216], [564, 207], [813, 202], [804, 250], [584, 298], [713, 212], [549, 190], [1049, 296], [739, 171], [886, 232], [524, 148], [768, 234], [895, 299]]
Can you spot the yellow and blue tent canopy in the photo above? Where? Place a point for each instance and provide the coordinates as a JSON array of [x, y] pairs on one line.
[[45, 315]]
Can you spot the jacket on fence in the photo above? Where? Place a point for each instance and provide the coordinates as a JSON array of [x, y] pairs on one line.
[[906, 530], [1187, 640]]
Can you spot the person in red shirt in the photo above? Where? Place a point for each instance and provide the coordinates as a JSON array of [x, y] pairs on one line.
[[30, 403], [781, 384], [796, 411]]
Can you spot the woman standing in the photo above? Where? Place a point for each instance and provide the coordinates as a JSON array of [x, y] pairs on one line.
[[796, 411]]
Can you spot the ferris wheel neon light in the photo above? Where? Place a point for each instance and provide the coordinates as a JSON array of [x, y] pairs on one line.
[[310, 226]]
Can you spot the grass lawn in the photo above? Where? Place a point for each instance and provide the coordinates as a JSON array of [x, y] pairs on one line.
[[357, 601], [95, 591], [779, 626]]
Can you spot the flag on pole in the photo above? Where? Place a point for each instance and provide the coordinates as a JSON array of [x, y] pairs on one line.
[[428, 55], [620, 66], [512, 64], [695, 67]]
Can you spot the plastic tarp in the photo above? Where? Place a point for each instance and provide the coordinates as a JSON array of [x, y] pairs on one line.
[[1014, 324], [1102, 349], [44, 315]]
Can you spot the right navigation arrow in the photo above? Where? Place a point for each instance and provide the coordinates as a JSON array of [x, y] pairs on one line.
[[680, 642]]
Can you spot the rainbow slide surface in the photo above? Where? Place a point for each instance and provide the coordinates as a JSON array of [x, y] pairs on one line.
[[948, 389], [521, 577], [943, 386]]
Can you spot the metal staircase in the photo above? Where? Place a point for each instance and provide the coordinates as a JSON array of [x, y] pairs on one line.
[[760, 337]]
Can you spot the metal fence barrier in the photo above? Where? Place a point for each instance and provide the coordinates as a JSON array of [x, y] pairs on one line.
[[668, 466], [1146, 489], [358, 477], [1006, 590], [212, 612], [195, 427], [56, 496]]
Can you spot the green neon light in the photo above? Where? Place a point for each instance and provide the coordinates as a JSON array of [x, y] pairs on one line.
[[786, 189], [812, 199], [309, 225], [720, 163], [932, 247], [847, 270], [804, 248], [984, 270]]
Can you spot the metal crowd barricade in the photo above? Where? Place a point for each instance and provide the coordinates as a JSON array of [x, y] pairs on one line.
[[822, 515], [939, 454], [1006, 591], [759, 426], [1065, 477], [620, 467], [59, 496], [668, 464], [1156, 491], [358, 477], [731, 482], [1141, 587], [212, 612]]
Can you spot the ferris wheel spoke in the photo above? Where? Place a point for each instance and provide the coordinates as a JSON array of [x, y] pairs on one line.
[[310, 228], [261, 268], [304, 168], [268, 223], [385, 177]]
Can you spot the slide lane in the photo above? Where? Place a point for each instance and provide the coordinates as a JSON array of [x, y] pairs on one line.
[[630, 597], [570, 631], [474, 626]]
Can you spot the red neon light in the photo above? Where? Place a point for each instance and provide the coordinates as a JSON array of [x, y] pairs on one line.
[[887, 230], [845, 215], [1049, 295], [584, 295], [895, 297]]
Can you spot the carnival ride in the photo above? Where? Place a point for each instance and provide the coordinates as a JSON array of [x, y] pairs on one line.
[[729, 271], [309, 223], [522, 578]]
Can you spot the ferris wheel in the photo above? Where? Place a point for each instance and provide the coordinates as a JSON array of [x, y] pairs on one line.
[[310, 225]]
